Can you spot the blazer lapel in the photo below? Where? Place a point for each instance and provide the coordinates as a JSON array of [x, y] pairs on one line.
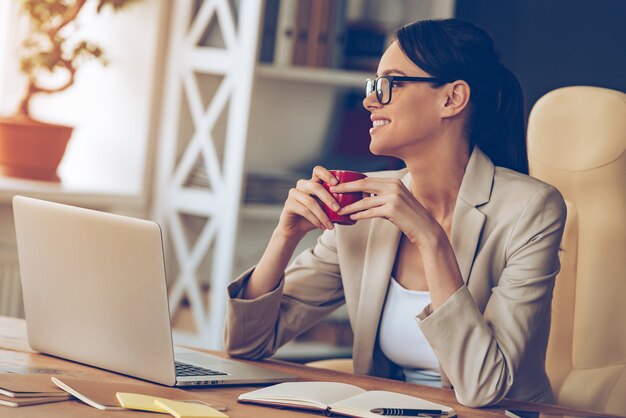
[[467, 225], [380, 255], [467, 221], [382, 246]]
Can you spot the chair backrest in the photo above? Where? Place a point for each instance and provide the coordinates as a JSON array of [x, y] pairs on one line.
[[577, 142]]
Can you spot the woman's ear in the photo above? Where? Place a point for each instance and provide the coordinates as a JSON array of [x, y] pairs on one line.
[[456, 99]]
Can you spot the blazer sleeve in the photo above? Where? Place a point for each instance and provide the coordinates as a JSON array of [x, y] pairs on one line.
[[481, 352], [310, 290]]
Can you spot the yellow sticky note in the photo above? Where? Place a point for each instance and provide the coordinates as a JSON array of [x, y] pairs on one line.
[[187, 409], [140, 402]]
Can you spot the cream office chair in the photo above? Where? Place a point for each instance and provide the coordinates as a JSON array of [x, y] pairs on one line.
[[337, 364], [577, 142]]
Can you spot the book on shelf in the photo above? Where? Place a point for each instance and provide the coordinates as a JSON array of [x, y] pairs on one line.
[[262, 186], [303, 21], [319, 33], [269, 187], [336, 33], [319, 26], [198, 177], [335, 398], [365, 44], [285, 32], [303, 33], [268, 35]]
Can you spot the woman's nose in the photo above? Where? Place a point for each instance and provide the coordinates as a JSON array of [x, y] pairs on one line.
[[370, 101]]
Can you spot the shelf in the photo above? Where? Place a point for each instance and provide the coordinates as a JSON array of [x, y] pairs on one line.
[[326, 76], [73, 195], [263, 212]]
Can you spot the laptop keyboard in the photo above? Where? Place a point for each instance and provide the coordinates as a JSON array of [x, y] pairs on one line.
[[184, 369]]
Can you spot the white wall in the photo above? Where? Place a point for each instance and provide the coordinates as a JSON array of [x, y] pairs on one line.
[[9, 68], [111, 106]]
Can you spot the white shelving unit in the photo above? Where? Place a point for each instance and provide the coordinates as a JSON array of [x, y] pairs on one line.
[[200, 127], [235, 116]]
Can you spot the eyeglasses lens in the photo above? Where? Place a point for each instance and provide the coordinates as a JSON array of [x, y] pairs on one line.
[[369, 86], [383, 90]]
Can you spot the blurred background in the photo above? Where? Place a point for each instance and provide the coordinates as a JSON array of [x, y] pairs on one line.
[[209, 111]]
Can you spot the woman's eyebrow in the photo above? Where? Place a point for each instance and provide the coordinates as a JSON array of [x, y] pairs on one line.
[[392, 71]]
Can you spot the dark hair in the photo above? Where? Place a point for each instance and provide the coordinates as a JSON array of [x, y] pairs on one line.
[[458, 50]]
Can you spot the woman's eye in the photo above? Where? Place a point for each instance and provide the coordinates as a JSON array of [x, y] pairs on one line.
[[396, 84]]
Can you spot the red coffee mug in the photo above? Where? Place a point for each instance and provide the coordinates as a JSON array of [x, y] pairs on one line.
[[344, 199]]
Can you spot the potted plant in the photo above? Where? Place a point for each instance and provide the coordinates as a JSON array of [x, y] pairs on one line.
[[30, 148]]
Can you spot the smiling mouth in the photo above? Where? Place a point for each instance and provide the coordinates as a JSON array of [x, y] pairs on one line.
[[380, 122]]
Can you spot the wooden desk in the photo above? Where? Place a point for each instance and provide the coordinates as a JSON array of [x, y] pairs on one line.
[[16, 356]]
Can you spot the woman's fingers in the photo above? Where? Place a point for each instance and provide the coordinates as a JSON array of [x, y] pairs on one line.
[[386, 196], [375, 212], [363, 204], [370, 185], [319, 191], [308, 208], [322, 174], [302, 211]]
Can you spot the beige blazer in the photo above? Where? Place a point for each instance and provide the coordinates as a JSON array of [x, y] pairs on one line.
[[490, 336]]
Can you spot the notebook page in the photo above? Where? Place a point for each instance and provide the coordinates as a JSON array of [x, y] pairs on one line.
[[318, 394], [101, 394], [360, 405]]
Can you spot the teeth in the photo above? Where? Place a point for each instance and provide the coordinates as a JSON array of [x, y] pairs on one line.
[[381, 122]]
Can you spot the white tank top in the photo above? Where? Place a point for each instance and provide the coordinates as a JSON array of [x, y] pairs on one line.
[[401, 339]]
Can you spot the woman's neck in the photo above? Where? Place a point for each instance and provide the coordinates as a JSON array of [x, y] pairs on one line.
[[436, 175]]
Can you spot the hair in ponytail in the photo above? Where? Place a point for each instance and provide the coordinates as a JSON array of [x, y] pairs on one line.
[[455, 49]]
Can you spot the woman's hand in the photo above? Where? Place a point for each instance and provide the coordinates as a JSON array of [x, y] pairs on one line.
[[302, 212], [391, 200]]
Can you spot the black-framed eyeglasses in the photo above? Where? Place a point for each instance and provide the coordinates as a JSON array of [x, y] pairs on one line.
[[383, 85]]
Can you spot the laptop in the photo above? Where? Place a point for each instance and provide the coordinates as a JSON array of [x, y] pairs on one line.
[[95, 292]]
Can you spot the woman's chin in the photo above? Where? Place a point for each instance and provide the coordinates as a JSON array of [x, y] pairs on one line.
[[377, 149], [380, 151], [374, 146]]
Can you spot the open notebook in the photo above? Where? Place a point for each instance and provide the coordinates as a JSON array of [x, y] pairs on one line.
[[337, 398]]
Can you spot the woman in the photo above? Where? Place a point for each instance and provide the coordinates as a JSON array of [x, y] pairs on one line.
[[448, 274]]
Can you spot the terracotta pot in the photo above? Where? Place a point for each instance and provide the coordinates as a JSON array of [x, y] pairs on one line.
[[31, 149]]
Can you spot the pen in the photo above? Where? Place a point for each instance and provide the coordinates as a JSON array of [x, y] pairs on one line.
[[407, 412]]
